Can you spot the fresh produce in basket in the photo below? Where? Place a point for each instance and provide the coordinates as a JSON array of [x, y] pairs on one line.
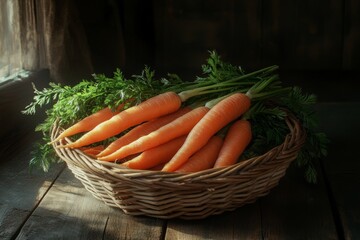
[[224, 97], [90, 122], [142, 130], [177, 128], [91, 151], [156, 156], [157, 106], [204, 158], [237, 139]]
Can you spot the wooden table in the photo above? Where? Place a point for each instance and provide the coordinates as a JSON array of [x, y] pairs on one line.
[[56, 206]]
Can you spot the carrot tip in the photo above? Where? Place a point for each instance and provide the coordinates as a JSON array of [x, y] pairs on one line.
[[101, 154]]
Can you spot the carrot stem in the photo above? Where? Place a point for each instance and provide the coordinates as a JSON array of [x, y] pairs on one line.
[[198, 89]]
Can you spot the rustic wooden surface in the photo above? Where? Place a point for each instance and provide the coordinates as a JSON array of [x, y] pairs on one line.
[[56, 206]]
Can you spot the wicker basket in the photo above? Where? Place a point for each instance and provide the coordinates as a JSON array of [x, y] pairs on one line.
[[187, 196]]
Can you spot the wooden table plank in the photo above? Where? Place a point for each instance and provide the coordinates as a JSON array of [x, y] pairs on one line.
[[20, 190], [243, 223], [292, 210], [342, 165], [68, 211], [11, 220], [121, 226], [345, 189], [297, 210]]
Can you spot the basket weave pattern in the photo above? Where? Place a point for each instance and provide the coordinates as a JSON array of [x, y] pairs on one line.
[[187, 196]]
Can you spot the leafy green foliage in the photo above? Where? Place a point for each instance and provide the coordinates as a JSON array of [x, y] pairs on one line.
[[215, 70], [315, 147], [71, 103], [220, 79], [43, 156], [270, 129]]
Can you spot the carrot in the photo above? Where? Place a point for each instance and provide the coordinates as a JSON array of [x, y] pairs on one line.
[[93, 151], [204, 158], [89, 122], [174, 129], [157, 167], [156, 156], [142, 130], [236, 140], [152, 108], [219, 116]]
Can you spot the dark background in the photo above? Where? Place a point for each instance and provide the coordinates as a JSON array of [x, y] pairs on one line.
[[315, 43]]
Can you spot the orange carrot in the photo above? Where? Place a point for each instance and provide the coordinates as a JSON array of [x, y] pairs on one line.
[[90, 122], [92, 151], [219, 116], [142, 130], [204, 158], [236, 140], [179, 127], [157, 167], [157, 155], [152, 108]]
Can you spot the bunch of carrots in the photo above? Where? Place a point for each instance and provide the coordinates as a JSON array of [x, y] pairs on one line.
[[163, 132], [169, 124]]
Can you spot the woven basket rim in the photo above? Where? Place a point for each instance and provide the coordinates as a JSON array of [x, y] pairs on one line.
[[111, 167]]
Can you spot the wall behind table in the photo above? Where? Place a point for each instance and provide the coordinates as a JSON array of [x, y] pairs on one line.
[[174, 35]]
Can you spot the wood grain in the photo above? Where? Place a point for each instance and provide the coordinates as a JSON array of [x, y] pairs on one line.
[[71, 212], [243, 223], [121, 226], [20, 190], [297, 210], [10, 220], [66, 212]]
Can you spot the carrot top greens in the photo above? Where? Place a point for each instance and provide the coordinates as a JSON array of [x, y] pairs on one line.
[[69, 104]]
